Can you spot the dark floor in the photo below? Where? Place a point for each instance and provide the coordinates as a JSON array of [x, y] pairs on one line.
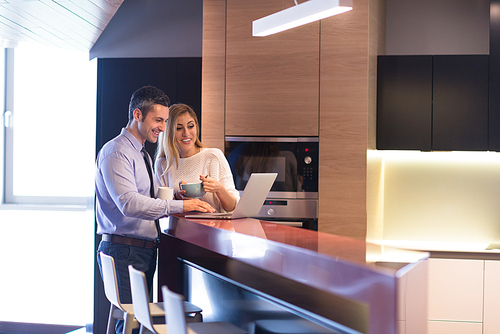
[[16, 327]]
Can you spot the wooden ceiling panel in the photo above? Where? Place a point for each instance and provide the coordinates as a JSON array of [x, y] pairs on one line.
[[69, 24]]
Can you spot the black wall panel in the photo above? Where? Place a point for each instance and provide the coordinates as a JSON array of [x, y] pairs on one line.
[[117, 79]]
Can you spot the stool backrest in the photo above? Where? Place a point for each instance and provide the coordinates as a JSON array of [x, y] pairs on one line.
[[174, 311], [109, 279], [140, 298]]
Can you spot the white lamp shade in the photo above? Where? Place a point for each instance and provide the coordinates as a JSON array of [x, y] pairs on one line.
[[306, 12]]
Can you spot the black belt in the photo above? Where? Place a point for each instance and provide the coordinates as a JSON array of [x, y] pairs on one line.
[[120, 239]]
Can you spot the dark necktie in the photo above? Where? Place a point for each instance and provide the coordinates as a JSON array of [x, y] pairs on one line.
[[151, 187]]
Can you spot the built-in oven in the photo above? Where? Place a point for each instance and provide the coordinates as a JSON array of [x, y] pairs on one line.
[[293, 199]]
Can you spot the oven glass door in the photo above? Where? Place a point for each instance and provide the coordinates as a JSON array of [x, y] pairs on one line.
[[295, 163]]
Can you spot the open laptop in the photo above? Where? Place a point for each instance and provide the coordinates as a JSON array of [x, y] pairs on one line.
[[251, 201]]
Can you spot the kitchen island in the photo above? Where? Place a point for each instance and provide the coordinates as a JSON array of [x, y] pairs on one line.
[[263, 276]]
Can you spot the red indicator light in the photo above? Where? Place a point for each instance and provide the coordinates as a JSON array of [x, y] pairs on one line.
[[307, 150]]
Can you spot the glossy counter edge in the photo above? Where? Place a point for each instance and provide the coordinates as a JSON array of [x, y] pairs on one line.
[[448, 249]]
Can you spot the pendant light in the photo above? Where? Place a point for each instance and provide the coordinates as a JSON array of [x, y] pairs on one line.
[[300, 14]]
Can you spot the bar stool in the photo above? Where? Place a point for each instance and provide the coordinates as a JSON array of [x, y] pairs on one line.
[[119, 310], [138, 288], [174, 308]]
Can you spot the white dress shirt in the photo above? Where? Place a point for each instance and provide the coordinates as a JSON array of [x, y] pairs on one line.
[[123, 202]]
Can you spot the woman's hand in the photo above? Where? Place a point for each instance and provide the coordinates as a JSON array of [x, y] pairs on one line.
[[211, 185], [180, 194]]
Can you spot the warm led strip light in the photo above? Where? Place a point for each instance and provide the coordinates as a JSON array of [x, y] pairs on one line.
[[306, 12]]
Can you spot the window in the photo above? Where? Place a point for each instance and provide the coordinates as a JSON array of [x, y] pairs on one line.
[[48, 150], [50, 126]]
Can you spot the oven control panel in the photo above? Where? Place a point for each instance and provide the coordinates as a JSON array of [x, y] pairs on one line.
[[307, 161]]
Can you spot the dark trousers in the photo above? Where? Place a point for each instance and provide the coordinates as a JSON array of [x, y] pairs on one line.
[[142, 259]]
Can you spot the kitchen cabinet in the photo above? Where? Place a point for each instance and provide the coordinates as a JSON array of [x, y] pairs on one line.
[[494, 81], [460, 103], [404, 104], [454, 328], [433, 102], [491, 297], [494, 103], [463, 296], [455, 296], [455, 290]]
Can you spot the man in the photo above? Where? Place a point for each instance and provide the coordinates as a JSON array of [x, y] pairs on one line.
[[125, 210]]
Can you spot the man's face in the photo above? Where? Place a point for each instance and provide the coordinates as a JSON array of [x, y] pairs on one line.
[[153, 123]]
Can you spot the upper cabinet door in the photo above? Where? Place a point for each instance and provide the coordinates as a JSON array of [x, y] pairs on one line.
[[494, 103], [460, 102], [272, 83], [404, 103], [435, 103]]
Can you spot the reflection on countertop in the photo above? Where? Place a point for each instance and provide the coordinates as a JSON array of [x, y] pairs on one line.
[[334, 246]]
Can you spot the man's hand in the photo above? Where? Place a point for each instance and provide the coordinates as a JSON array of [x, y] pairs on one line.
[[196, 205]]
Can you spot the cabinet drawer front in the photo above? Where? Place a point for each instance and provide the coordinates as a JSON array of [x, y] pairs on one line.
[[436, 327], [456, 290]]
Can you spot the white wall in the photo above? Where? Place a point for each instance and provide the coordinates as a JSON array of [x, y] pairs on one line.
[[437, 27]]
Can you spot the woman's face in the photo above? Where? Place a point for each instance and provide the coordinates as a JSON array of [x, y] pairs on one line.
[[185, 135]]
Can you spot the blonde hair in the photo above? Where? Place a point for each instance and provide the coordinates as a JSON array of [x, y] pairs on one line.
[[167, 147]]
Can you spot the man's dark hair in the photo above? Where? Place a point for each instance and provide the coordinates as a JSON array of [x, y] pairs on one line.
[[144, 98]]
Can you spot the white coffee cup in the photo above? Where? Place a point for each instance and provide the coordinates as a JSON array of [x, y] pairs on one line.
[[165, 193]]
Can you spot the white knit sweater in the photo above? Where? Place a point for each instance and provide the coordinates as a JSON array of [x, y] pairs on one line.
[[209, 161]]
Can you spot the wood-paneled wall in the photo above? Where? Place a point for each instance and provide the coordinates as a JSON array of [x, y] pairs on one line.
[[374, 181], [343, 139], [213, 85], [270, 85]]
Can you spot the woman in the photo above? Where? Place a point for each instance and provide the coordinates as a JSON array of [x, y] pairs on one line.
[[182, 158]]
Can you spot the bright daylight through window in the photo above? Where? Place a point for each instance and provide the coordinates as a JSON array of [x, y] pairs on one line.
[[52, 127], [48, 250]]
